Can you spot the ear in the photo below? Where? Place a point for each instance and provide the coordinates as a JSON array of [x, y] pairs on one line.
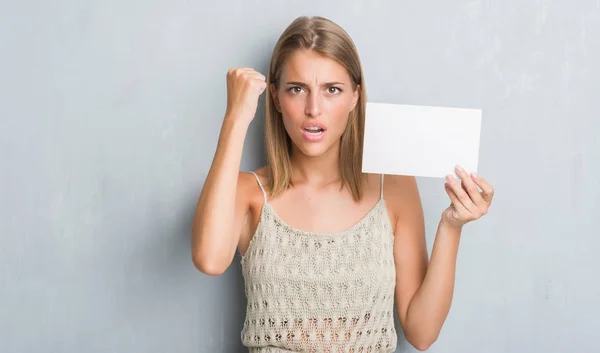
[[356, 96], [273, 90]]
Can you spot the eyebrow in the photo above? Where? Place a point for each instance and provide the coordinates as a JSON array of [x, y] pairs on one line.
[[305, 85]]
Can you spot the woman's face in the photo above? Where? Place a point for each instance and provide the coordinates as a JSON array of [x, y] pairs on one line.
[[315, 96]]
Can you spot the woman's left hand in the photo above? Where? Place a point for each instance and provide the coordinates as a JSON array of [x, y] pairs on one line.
[[468, 203]]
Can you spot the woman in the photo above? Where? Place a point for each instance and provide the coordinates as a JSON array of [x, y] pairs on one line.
[[326, 249]]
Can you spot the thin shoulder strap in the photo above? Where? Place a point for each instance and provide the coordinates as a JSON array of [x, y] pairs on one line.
[[381, 186], [260, 185]]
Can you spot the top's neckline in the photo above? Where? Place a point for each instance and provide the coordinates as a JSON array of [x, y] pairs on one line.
[[352, 228]]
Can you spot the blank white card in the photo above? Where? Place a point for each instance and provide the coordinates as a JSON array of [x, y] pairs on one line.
[[420, 140]]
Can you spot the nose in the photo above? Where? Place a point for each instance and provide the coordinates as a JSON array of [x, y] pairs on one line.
[[313, 104]]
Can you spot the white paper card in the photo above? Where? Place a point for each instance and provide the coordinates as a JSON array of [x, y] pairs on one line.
[[420, 140]]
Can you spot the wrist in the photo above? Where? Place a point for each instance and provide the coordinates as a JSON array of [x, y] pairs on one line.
[[450, 227], [233, 122]]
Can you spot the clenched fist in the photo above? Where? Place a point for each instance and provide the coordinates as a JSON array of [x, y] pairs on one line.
[[244, 87]]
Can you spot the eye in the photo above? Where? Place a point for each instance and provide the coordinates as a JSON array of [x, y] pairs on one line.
[[295, 89], [334, 90]]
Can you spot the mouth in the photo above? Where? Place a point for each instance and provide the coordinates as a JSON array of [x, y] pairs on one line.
[[313, 131]]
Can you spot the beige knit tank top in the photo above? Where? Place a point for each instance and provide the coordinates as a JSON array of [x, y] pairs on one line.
[[320, 292]]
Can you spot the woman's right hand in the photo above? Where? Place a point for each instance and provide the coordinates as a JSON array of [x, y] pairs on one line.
[[244, 87]]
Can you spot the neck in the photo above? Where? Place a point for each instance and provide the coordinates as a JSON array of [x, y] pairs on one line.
[[323, 169]]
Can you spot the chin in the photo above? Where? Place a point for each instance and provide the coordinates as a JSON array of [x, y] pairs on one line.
[[313, 149]]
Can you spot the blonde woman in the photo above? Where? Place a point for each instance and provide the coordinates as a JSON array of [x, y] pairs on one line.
[[325, 249]]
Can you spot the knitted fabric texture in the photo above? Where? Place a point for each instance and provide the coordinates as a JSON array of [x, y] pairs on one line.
[[320, 292]]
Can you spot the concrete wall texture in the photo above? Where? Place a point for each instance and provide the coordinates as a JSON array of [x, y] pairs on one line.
[[109, 117]]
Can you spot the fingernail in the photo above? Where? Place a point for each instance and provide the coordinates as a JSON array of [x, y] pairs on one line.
[[474, 175], [449, 177], [459, 169]]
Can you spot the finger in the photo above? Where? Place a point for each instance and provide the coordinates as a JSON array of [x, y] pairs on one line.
[[241, 70], [454, 199], [258, 76], [471, 188], [262, 85], [250, 71], [481, 204], [462, 196], [487, 191]]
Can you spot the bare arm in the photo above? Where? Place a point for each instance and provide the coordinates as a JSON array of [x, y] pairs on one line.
[[410, 254], [425, 288], [424, 313], [216, 228], [430, 306], [223, 204]]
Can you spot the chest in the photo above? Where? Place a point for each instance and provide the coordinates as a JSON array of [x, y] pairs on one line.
[[363, 252], [322, 213]]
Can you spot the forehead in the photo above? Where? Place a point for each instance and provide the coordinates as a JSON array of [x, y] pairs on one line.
[[309, 66]]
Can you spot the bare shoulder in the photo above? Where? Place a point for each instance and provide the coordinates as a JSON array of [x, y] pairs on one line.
[[250, 202], [262, 174], [248, 188], [397, 185], [402, 196]]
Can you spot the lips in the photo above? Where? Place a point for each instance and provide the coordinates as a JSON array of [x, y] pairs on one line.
[[313, 131], [313, 126]]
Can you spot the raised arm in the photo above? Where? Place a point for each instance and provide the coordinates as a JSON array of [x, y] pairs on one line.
[[223, 205]]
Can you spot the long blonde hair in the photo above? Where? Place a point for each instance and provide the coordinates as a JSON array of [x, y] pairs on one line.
[[330, 40]]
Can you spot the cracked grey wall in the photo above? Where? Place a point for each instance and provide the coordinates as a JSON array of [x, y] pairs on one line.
[[109, 116]]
